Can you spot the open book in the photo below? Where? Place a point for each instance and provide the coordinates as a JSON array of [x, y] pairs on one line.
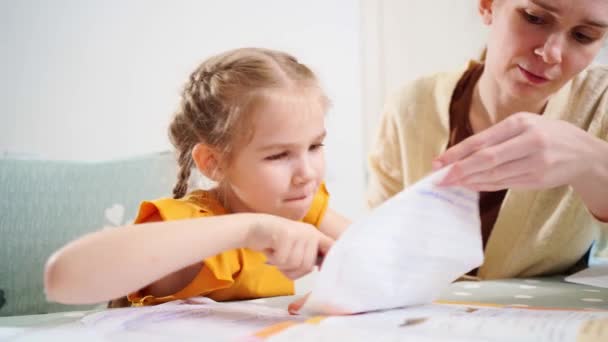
[[405, 252]]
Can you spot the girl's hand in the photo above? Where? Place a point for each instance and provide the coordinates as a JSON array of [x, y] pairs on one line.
[[291, 246], [297, 304], [524, 151]]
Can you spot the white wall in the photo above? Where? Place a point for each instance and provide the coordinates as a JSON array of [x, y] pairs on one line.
[[602, 58], [99, 79], [406, 39]]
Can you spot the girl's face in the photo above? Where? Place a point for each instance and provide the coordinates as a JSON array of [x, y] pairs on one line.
[[279, 170], [536, 46]]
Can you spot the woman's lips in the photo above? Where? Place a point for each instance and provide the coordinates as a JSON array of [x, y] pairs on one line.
[[531, 77]]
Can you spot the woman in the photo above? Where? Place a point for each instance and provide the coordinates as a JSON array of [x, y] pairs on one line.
[[528, 127]]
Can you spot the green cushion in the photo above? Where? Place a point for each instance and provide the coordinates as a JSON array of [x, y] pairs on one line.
[[45, 204]]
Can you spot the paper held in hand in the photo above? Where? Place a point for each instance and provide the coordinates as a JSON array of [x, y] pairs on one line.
[[405, 252]]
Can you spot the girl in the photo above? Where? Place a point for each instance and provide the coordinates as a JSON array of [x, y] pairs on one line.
[[252, 120]]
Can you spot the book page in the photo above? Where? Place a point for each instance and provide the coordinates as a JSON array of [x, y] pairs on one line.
[[435, 322], [197, 318]]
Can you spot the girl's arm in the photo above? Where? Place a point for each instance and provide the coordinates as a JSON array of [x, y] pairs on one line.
[[333, 224], [111, 263]]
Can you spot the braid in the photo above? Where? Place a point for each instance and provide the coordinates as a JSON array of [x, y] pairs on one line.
[[184, 129], [185, 163]]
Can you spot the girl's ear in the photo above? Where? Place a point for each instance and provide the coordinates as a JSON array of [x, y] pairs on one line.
[[485, 10], [207, 161]]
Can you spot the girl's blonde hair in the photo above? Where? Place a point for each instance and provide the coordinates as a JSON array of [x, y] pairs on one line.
[[219, 93]]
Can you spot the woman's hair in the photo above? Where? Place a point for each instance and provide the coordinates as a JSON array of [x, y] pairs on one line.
[[220, 92], [483, 55]]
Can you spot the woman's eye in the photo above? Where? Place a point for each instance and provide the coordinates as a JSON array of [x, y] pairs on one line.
[[277, 156], [582, 38]]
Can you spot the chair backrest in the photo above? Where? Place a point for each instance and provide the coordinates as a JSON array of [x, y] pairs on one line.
[[44, 204]]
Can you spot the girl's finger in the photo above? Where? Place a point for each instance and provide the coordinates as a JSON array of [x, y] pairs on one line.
[[295, 306], [325, 243], [310, 256], [282, 251], [296, 255], [293, 274]]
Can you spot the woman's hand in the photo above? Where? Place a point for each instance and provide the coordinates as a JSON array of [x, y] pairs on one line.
[[291, 246], [524, 151]]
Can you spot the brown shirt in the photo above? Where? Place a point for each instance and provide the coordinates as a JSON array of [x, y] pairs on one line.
[[460, 129]]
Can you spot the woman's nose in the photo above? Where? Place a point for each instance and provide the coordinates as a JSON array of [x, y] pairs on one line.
[[552, 50]]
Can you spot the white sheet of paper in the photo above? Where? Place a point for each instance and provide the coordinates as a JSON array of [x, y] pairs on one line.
[[594, 276], [405, 252]]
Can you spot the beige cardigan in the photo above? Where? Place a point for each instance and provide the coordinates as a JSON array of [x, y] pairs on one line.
[[536, 232]]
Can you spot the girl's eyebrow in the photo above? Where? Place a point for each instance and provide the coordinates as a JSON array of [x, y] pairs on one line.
[[549, 7], [287, 145], [321, 136], [546, 6]]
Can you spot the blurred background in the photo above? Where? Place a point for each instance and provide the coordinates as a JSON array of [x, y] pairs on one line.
[[99, 80]]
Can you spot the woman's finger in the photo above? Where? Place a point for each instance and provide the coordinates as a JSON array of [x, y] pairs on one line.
[[497, 162], [493, 163], [520, 182], [501, 174], [494, 135]]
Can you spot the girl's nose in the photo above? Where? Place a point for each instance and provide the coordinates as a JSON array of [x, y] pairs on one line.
[[304, 172]]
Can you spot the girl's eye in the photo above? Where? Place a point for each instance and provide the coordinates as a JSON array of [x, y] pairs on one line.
[[533, 19], [315, 147], [277, 156]]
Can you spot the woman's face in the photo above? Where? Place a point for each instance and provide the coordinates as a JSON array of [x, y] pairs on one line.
[[536, 46]]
